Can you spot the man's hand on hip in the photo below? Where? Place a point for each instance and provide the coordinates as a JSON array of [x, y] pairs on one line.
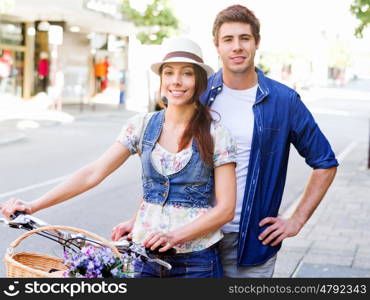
[[278, 230]]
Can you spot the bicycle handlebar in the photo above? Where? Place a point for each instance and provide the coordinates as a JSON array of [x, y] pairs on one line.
[[21, 220]]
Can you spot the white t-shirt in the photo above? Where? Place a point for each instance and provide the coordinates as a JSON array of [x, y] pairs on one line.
[[235, 109]]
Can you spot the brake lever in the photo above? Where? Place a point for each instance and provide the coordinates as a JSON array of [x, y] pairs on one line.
[[17, 213], [25, 221], [21, 220], [142, 251]]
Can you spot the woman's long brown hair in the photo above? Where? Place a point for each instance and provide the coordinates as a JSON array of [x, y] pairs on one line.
[[199, 126]]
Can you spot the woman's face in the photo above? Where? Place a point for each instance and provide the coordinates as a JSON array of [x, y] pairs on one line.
[[178, 82]]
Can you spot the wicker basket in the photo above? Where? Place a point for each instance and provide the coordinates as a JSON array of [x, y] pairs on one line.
[[27, 264]]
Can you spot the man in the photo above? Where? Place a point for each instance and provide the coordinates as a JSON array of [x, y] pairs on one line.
[[265, 117]]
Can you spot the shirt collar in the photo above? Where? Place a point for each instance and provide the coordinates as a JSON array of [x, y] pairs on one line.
[[262, 91]]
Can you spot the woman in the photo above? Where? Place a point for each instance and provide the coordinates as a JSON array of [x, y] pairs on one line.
[[187, 161]]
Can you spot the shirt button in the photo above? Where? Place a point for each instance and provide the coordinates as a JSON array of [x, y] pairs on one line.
[[212, 99], [219, 89], [212, 87], [164, 194], [165, 184]]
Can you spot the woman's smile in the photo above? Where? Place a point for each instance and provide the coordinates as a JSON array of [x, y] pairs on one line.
[[177, 93]]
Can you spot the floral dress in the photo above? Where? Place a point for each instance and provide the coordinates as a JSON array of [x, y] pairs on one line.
[[157, 218]]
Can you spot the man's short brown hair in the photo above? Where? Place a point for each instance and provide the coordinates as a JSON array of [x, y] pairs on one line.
[[236, 14]]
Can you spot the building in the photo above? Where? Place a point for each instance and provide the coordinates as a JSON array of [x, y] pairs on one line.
[[72, 49]]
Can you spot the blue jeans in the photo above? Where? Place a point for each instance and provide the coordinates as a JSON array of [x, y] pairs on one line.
[[198, 264]]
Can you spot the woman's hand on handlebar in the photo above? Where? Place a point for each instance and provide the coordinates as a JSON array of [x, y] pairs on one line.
[[122, 229], [12, 205], [165, 241]]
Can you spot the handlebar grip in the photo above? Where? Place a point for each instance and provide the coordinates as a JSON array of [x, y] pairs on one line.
[[171, 251], [17, 213]]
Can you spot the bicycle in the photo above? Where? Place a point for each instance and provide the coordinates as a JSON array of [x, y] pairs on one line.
[[23, 264]]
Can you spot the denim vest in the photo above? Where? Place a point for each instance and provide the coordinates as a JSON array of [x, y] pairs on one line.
[[192, 186]]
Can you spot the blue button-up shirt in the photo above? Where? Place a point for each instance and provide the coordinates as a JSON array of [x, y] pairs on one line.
[[280, 119]]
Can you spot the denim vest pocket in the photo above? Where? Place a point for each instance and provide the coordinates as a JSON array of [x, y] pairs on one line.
[[195, 192], [198, 195], [199, 189]]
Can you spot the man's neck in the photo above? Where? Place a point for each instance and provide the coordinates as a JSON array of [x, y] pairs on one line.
[[240, 81]]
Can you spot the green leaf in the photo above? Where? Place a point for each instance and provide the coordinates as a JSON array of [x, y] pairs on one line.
[[361, 10], [156, 23]]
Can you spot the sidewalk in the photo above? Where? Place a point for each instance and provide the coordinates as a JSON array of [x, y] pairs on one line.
[[336, 240], [17, 116]]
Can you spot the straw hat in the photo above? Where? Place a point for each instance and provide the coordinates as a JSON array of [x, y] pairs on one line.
[[181, 49]]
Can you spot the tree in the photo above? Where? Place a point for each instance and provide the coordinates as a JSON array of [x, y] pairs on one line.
[[361, 9], [155, 22]]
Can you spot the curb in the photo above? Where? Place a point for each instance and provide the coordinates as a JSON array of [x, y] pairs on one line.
[[11, 138]]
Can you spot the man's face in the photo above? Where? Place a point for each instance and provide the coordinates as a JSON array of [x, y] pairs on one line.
[[236, 47]]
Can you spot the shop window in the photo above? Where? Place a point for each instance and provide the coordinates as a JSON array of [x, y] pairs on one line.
[[11, 72], [11, 33]]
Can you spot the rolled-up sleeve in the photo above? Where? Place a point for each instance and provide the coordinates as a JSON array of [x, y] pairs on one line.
[[308, 139]]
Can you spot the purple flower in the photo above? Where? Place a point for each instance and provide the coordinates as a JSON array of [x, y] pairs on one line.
[[92, 262]]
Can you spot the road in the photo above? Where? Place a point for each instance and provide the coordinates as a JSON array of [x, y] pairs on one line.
[[32, 166]]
